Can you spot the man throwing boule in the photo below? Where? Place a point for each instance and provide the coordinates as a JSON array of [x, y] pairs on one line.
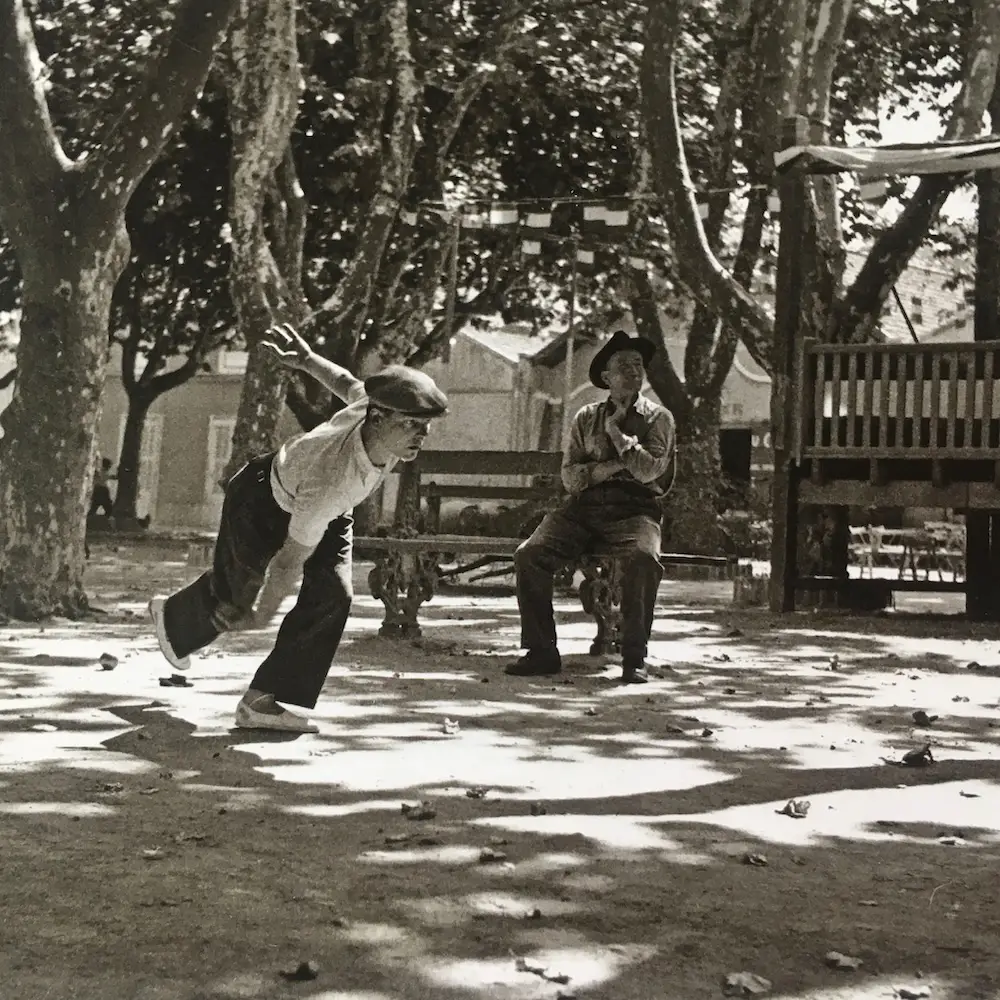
[[286, 516]]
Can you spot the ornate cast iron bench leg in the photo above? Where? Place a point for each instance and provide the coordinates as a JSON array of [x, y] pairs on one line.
[[403, 582], [601, 596]]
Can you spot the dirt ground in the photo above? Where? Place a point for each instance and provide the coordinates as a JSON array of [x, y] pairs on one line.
[[582, 839]]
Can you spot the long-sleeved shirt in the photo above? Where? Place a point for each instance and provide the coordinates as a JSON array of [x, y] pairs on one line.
[[646, 442]]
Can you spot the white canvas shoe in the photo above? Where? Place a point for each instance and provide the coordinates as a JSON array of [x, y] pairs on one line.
[[247, 717], [156, 613]]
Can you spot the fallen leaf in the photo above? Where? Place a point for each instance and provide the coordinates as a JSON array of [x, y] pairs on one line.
[[526, 965], [921, 718], [745, 984], [423, 810], [537, 809], [175, 681], [908, 993], [487, 856], [729, 690], [304, 972], [184, 838], [796, 808], [968, 795], [706, 732], [755, 859], [918, 758], [836, 960], [112, 787], [450, 727], [951, 841], [399, 838], [591, 711], [835, 662], [477, 792], [107, 661], [959, 697], [537, 969], [153, 854], [149, 791], [45, 727]]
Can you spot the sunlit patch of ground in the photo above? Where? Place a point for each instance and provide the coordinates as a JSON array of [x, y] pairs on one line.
[[576, 836]]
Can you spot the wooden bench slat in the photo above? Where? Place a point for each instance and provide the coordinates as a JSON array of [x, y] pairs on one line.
[[488, 463], [472, 492], [486, 545]]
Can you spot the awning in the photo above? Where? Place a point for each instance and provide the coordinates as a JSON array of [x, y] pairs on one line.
[[955, 157]]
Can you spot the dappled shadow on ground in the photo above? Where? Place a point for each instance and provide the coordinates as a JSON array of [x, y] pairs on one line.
[[634, 838]]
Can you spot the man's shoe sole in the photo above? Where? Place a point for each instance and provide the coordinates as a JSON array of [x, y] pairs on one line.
[[284, 722], [155, 607]]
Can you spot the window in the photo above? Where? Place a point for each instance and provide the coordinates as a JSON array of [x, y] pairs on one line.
[[220, 450]]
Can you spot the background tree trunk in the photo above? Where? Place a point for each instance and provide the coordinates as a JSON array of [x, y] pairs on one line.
[[263, 90], [130, 459], [691, 515], [46, 469], [66, 223]]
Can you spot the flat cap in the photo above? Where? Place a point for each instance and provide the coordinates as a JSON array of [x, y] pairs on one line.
[[406, 390]]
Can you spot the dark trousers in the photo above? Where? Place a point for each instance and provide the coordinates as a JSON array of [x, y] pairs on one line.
[[100, 499], [252, 529], [629, 527]]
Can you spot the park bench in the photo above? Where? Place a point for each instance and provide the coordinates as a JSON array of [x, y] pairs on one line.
[[408, 558]]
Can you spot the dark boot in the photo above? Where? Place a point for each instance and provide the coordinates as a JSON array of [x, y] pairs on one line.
[[634, 672], [537, 663]]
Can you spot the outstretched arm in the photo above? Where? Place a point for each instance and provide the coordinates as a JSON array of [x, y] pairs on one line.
[[286, 345]]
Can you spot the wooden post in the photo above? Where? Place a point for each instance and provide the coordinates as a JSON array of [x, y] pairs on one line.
[[784, 401], [568, 371], [982, 528], [451, 292]]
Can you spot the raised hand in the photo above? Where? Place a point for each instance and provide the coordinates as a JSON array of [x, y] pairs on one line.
[[285, 344]]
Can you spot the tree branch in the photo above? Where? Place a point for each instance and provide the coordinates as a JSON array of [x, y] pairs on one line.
[[31, 158], [856, 315], [697, 266], [135, 140], [496, 48], [351, 301]]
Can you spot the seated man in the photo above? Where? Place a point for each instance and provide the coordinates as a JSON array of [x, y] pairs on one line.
[[617, 468], [288, 514]]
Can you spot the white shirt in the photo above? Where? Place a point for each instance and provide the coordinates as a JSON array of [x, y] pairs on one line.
[[324, 473]]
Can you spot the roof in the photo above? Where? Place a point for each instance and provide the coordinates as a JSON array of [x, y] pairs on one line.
[[512, 342], [926, 297]]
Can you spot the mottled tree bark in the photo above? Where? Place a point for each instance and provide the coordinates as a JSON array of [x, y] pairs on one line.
[[65, 220], [263, 85]]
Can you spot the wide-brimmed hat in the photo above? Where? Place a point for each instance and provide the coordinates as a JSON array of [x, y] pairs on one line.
[[619, 341], [406, 390]]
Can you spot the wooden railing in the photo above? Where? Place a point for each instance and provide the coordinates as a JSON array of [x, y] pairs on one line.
[[936, 401]]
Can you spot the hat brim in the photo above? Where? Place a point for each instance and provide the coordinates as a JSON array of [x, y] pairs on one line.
[[616, 344]]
